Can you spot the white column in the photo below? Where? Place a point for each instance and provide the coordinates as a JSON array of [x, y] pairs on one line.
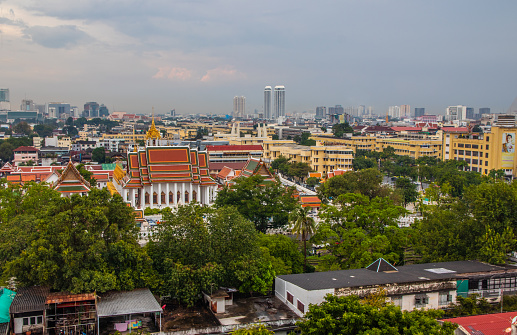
[[182, 198], [133, 199], [167, 190], [142, 197], [207, 195], [175, 195], [151, 204], [159, 195], [190, 193], [198, 186]]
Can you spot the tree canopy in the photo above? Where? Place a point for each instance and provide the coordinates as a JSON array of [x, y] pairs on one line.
[[266, 204], [348, 315]]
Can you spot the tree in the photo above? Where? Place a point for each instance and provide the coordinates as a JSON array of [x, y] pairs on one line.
[[312, 181], [303, 226], [367, 182], [408, 190], [304, 139], [197, 249], [280, 164], [99, 155], [87, 175], [286, 258], [339, 129], [84, 244], [22, 128], [298, 170], [266, 204], [44, 130], [361, 163], [347, 315], [69, 121], [6, 151], [70, 130], [357, 231]]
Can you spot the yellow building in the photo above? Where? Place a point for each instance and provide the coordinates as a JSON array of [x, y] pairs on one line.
[[483, 152], [320, 158], [414, 148], [128, 137]]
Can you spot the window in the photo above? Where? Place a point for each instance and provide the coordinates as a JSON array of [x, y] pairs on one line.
[[460, 145], [468, 153], [461, 152], [40, 319], [487, 139], [475, 161], [486, 163], [444, 298], [421, 300], [486, 155], [25, 321], [487, 147], [290, 297], [146, 198], [467, 145], [475, 146], [155, 198], [301, 307]]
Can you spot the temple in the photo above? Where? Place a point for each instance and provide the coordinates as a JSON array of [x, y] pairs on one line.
[[159, 175]]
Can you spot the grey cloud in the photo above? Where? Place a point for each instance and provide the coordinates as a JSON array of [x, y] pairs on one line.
[[57, 37]]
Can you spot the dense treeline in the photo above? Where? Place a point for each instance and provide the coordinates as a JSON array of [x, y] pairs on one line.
[[90, 243]]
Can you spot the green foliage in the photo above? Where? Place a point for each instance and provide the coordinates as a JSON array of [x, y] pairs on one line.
[[255, 330], [339, 129], [304, 139], [357, 231], [312, 181], [87, 175], [265, 204], [79, 244], [99, 155], [347, 315], [362, 162], [481, 225], [367, 182], [199, 248], [303, 226], [407, 189], [471, 305], [286, 258], [8, 146], [45, 130], [22, 128]]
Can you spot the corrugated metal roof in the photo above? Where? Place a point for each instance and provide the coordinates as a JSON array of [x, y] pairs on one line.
[[127, 302], [29, 299]]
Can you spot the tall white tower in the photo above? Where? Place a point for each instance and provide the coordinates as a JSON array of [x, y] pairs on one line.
[[239, 106], [279, 102], [267, 102]]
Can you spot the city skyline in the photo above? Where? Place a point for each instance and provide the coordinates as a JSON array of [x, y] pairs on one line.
[[133, 56]]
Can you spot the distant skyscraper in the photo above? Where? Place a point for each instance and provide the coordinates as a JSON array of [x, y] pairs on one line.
[[5, 103], [279, 102], [321, 112], [173, 112], [394, 111], [470, 113], [61, 109], [267, 102], [453, 113], [484, 110], [103, 111], [361, 110], [419, 112], [27, 105], [91, 109], [239, 107], [405, 110]]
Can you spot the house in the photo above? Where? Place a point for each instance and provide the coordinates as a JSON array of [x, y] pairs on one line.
[[67, 313], [28, 309], [428, 286], [25, 154]]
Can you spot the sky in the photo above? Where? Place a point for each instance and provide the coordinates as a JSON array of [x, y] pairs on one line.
[[196, 55]]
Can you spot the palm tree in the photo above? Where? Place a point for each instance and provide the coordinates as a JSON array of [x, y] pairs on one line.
[[302, 225]]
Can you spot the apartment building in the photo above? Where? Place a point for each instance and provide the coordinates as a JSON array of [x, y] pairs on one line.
[[482, 152]]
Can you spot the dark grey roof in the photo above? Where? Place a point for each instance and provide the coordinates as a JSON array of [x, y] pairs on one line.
[[4, 328], [381, 265], [405, 274], [29, 299], [127, 302]]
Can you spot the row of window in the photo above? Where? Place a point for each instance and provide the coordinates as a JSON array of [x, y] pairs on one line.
[[171, 197], [33, 320], [299, 304], [470, 153]]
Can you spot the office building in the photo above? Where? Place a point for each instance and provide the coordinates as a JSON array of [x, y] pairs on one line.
[[419, 112], [267, 103], [58, 110], [279, 105], [394, 111], [103, 111], [470, 113], [482, 111], [456, 113], [239, 107], [405, 111], [321, 112], [27, 105], [337, 109], [173, 112], [91, 109], [5, 104]]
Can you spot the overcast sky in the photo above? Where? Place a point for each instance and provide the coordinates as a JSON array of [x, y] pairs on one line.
[[196, 55]]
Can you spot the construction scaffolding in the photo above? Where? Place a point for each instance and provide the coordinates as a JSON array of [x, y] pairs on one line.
[[71, 314]]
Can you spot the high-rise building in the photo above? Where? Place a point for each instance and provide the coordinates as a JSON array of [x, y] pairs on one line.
[[103, 111], [470, 113], [453, 113], [27, 105], [321, 112], [239, 107], [483, 110], [361, 110], [61, 109], [419, 111], [405, 110], [5, 104], [267, 103], [279, 105], [91, 109], [394, 111]]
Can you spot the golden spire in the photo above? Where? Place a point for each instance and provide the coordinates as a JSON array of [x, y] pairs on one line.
[[153, 133]]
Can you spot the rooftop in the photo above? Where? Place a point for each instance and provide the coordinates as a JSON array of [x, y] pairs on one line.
[[405, 274], [29, 299], [485, 324], [127, 302]]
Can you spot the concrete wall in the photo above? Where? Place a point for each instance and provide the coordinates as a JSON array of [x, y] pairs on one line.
[[299, 294]]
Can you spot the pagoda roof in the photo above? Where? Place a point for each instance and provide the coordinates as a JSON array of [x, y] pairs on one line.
[[71, 181]]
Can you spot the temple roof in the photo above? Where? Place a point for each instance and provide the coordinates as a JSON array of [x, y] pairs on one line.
[[153, 133], [71, 181]]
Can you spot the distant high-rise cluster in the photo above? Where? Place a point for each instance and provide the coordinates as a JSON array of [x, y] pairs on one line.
[[278, 102], [5, 103], [239, 107], [419, 111], [93, 109]]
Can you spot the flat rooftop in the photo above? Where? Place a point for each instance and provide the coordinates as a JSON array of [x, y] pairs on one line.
[[405, 274]]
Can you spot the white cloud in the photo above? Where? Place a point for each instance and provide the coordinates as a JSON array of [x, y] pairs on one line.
[[173, 73], [222, 73]]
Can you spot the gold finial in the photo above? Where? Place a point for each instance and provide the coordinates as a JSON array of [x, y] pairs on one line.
[[153, 133]]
